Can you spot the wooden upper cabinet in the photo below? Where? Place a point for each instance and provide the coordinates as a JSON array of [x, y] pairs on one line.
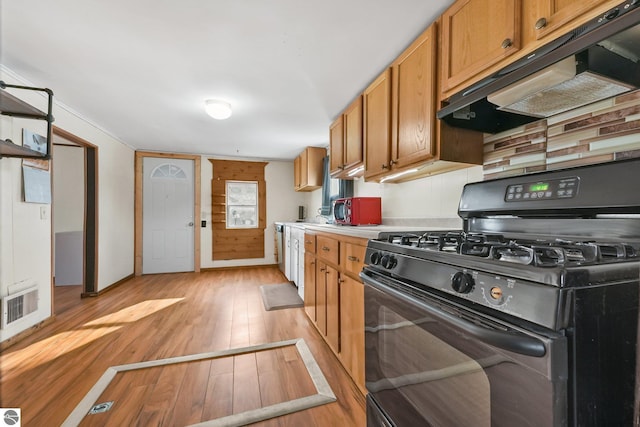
[[377, 126], [336, 146], [353, 135], [307, 169], [401, 131], [553, 18], [345, 136], [477, 34], [297, 172], [414, 101]]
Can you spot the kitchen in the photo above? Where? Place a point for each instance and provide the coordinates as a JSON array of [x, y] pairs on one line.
[[439, 194]]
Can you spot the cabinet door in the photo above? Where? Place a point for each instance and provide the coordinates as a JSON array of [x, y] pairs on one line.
[[477, 34], [353, 258], [321, 297], [413, 102], [310, 285], [352, 328], [353, 135], [377, 126], [552, 15], [333, 308], [309, 168], [336, 146], [310, 243], [304, 170], [328, 249], [297, 173]]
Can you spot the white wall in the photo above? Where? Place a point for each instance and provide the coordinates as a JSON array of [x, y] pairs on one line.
[[25, 235], [422, 199], [282, 205], [68, 182]]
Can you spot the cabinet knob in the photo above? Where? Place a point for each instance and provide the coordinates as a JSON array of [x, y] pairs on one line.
[[506, 43], [393, 162], [353, 258], [340, 280], [385, 167], [326, 249], [322, 269], [541, 23]]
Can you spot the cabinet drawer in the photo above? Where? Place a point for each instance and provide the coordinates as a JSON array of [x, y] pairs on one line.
[[310, 243], [353, 258], [327, 249]]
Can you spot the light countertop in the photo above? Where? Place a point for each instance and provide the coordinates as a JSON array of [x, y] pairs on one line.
[[371, 231]]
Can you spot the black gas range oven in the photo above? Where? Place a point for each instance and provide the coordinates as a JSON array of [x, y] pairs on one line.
[[526, 317]]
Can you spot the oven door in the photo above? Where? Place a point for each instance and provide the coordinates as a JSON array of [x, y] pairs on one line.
[[432, 362]]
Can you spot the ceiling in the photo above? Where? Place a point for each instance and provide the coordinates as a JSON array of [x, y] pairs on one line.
[[142, 69]]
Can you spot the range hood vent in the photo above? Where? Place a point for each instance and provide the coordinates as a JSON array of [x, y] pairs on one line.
[[556, 89], [597, 61]]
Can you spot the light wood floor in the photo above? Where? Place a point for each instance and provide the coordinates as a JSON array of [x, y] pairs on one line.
[[160, 316]]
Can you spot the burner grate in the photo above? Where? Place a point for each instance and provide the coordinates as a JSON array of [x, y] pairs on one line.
[[535, 252]]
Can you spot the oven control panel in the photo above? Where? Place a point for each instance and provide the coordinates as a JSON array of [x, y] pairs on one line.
[[564, 188]]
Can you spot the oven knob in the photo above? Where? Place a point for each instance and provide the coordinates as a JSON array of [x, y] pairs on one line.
[[375, 258], [462, 282], [388, 261]]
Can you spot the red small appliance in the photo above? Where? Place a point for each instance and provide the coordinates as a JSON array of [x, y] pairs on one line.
[[358, 211]]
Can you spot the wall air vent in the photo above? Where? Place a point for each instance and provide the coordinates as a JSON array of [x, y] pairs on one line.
[[19, 305]]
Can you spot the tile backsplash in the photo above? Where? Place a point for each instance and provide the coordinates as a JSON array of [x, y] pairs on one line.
[[603, 131]]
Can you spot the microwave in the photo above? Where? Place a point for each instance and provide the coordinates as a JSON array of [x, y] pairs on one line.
[[358, 211]]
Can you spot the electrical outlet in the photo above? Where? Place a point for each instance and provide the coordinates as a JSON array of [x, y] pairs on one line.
[[203, 224], [43, 213]]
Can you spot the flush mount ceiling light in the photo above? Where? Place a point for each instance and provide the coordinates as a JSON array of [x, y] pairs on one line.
[[217, 109]]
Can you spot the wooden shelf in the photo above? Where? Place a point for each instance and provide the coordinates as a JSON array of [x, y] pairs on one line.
[[12, 106], [9, 149], [15, 107]]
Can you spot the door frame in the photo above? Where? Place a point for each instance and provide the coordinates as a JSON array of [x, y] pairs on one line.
[[90, 230], [139, 158]]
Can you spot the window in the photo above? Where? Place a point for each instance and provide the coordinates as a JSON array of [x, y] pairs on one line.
[[242, 204]]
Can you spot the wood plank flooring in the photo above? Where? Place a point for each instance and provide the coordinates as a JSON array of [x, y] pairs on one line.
[[159, 316]]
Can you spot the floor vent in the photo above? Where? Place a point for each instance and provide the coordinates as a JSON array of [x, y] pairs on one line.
[[19, 305]]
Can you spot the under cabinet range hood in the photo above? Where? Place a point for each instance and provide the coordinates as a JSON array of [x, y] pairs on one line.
[[598, 60]]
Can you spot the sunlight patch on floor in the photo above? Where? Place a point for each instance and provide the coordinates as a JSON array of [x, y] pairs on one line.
[[48, 349]]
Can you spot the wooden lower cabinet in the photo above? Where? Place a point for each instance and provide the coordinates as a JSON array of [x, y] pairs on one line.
[[352, 329], [333, 308], [321, 298], [310, 285], [334, 298], [327, 309]]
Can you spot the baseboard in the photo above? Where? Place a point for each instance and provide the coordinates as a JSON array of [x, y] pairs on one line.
[[24, 334], [110, 287], [239, 267]]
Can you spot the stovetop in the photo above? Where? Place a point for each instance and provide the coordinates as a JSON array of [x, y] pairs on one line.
[[543, 253]]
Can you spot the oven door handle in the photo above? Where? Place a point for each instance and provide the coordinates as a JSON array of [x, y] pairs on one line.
[[515, 342]]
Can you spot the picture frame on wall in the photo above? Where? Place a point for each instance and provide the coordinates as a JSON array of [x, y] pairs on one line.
[[34, 141], [36, 185]]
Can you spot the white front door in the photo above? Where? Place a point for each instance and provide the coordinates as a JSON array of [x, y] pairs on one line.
[[167, 215]]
